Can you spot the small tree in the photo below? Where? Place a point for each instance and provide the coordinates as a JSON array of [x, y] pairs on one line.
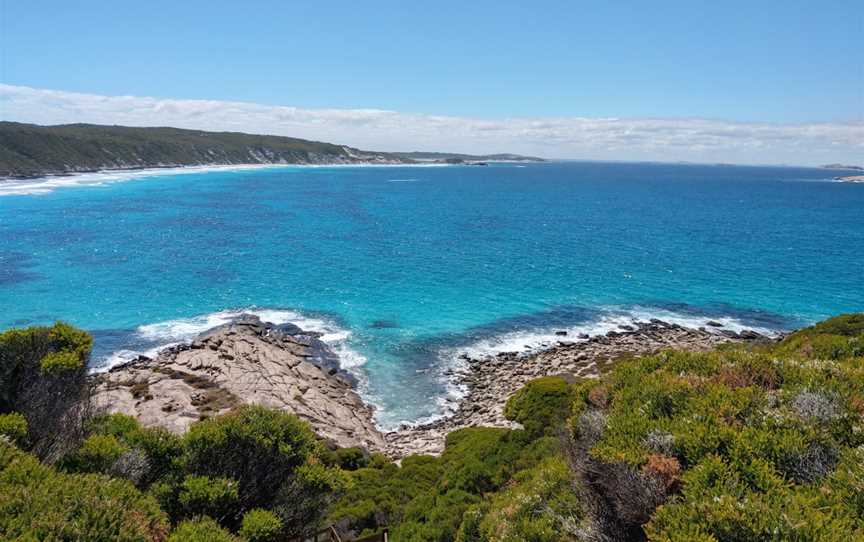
[[43, 376], [273, 456]]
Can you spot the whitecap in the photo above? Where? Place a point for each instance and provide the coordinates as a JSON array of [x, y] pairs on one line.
[[452, 361], [182, 330], [45, 185]]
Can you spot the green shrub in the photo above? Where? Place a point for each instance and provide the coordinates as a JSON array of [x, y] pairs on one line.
[[481, 459], [351, 458], [96, 454], [540, 504], [273, 456], [201, 529], [203, 496], [836, 338], [162, 449], [434, 517], [541, 406], [43, 376], [306, 496], [39, 503], [848, 325], [378, 496], [426, 498], [59, 362], [774, 426], [261, 526], [14, 427]]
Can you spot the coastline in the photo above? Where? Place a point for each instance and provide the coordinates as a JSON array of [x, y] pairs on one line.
[[43, 184], [246, 361], [283, 366], [490, 381]]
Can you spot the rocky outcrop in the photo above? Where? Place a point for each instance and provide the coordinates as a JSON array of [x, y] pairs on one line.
[[247, 361], [851, 179], [489, 382]]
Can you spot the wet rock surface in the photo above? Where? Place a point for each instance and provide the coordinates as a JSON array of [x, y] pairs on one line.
[[244, 362]]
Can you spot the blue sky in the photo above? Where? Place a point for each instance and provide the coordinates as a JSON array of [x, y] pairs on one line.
[[764, 62]]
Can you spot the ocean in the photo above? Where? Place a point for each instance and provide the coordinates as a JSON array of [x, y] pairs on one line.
[[404, 269]]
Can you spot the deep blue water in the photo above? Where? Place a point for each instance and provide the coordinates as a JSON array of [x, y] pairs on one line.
[[404, 267]]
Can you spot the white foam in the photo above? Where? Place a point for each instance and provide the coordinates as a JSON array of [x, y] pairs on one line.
[[693, 321], [183, 330], [452, 361], [45, 185]]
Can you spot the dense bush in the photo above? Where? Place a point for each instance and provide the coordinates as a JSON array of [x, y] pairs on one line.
[[748, 443], [426, 498], [777, 428], [380, 493], [541, 406], [273, 457], [540, 504], [161, 449], [261, 526], [39, 503], [43, 376], [213, 497], [13, 426], [347, 458], [201, 529], [97, 453]]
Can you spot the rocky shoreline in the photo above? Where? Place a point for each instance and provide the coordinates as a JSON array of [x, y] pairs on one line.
[[282, 366], [489, 382], [245, 362]]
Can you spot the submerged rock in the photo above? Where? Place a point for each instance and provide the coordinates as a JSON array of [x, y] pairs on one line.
[[246, 361]]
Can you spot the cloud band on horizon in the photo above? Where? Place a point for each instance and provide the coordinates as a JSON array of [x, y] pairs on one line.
[[659, 139]]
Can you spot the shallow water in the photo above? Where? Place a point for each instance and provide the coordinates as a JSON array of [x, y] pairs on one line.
[[404, 268]]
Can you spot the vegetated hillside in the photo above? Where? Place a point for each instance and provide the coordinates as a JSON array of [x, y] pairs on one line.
[[31, 150], [747, 443]]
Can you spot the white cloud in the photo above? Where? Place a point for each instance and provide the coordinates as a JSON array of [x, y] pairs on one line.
[[376, 129]]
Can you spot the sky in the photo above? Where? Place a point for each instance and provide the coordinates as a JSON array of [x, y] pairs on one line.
[[733, 81]]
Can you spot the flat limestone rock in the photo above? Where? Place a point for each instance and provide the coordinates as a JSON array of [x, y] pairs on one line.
[[244, 362]]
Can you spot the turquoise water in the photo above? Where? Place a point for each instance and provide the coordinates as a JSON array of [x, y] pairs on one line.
[[404, 268]]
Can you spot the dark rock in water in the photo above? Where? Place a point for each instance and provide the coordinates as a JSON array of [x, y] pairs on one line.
[[657, 322], [561, 333], [290, 329], [383, 324], [584, 336], [750, 335], [566, 343], [625, 327], [713, 323], [729, 333]]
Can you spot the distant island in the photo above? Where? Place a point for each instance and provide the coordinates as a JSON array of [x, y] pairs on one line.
[[30, 150], [843, 166]]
